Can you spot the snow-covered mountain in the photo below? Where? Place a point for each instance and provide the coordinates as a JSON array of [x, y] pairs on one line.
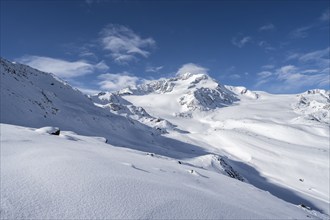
[[314, 105], [192, 91], [184, 147]]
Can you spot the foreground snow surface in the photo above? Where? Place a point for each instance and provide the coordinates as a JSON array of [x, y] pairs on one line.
[[72, 176]]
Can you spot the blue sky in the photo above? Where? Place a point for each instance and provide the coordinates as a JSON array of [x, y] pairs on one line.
[[276, 46]]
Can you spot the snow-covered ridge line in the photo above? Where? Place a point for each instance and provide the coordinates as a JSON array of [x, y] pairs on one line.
[[118, 105]]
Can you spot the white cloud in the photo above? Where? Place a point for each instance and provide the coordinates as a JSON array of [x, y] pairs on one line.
[[265, 45], [264, 74], [290, 78], [235, 76], [153, 69], [241, 41], [311, 70], [263, 77], [192, 68], [261, 82], [286, 72], [268, 67], [319, 57], [62, 68], [87, 54], [301, 32], [267, 27], [125, 45], [117, 81], [293, 78], [292, 56], [325, 15]]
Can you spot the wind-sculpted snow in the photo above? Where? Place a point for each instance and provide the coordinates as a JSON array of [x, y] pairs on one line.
[[77, 177]]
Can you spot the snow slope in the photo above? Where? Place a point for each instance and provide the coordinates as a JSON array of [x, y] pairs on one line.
[[164, 149], [36, 99], [273, 143], [117, 105], [77, 177]]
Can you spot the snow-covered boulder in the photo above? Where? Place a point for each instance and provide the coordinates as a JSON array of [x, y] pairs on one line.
[[49, 130]]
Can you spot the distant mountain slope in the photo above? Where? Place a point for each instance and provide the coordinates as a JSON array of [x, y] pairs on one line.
[[277, 142], [192, 92]]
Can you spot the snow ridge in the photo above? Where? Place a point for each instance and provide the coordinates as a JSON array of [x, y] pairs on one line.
[[118, 105]]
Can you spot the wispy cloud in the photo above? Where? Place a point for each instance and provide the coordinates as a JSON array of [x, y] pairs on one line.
[[264, 74], [268, 67], [124, 44], [234, 76], [241, 41], [301, 32], [266, 46], [319, 58], [192, 68], [312, 71], [325, 15], [62, 68], [290, 78], [118, 81], [292, 56], [322, 22], [267, 27], [153, 69], [263, 78]]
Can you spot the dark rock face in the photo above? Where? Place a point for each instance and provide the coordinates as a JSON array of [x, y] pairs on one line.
[[57, 132]]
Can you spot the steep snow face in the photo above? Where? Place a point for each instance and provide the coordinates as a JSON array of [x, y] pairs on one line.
[[314, 105], [33, 98], [77, 177]]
